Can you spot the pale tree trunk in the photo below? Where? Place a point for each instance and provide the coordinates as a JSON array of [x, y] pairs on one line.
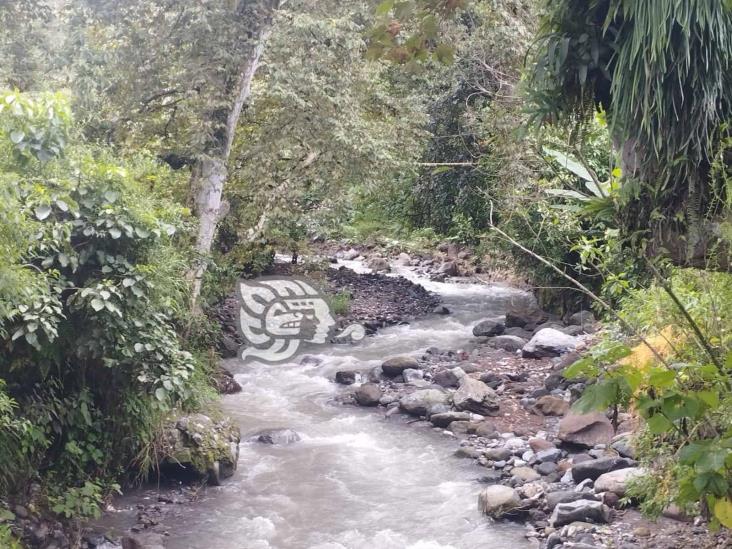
[[210, 173]]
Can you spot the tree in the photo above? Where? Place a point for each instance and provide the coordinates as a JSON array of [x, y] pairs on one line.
[[661, 70], [177, 76]]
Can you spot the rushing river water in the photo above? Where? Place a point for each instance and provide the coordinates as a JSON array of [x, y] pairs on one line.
[[356, 480]]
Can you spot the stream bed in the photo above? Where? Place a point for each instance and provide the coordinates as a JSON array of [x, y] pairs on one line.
[[357, 479]]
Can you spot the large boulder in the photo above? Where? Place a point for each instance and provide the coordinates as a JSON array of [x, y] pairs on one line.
[[498, 500], [449, 268], [276, 436], [197, 444], [518, 317], [593, 468], [617, 481], [403, 259], [548, 343], [448, 378], [581, 318], [508, 343], [488, 328], [368, 394], [394, 367], [345, 377], [420, 402], [583, 510], [475, 396], [585, 430]]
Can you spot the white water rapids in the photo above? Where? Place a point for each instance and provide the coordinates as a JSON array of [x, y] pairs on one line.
[[356, 480]]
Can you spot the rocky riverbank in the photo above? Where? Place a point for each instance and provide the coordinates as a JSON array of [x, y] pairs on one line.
[[507, 406]]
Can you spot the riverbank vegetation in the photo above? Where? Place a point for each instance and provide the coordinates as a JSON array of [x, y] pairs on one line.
[[152, 152]]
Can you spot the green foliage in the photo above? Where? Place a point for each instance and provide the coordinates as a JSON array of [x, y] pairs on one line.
[[340, 303], [83, 502], [683, 397]]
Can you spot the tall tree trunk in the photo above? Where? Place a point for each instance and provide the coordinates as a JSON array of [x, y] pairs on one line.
[[210, 172]]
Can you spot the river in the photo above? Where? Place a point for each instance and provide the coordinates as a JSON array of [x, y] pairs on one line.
[[357, 479]]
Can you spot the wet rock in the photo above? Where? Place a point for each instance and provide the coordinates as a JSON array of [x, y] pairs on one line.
[[467, 452], [492, 379], [446, 418], [518, 317], [395, 366], [419, 402], [497, 500], [196, 444], [368, 394], [518, 332], [448, 378], [593, 468], [348, 255], [491, 477], [277, 436], [378, 264], [403, 259], [546, 468], [549, 342], [449, 268], [460, 429], [441, 310], [539, 444], [224, 382], [508, 343], [486, 429], [581, 510], [345, 377], [551, 406], [553, 381], [475, 396], [586, 429], [617, 481], [488, 328]]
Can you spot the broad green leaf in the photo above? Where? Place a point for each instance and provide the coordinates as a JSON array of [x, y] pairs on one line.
[[16, 136], [661, 379], [723, 511], [42, 212], [115, 233], [160, 394], [97, 304], [570, 164], [658, 424]]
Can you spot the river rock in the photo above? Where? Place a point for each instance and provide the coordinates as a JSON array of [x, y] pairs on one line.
[[488, 328], [368, 394], [349, 255], [617, 481], [526, 474], [497, 454], [403, 259], [585, 430], [441, 310], [419, 402], [623, 445], [277, 436], [567, 496], [539, 444], [497, 500], [396, 365], [593, 468], [345, 377], [378, 264], [446, 418], [551, 406], [449, 268], [546, 468], [475, 396], [448, 378], [518, 317], [195, 443], [581, 510], [549, 342], [549, 455], [508, 343], [580, 318], [410, 375]]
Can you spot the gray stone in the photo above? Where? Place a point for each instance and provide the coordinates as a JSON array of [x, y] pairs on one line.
[[508, 343], [467, 452], [581, 317], [497, 500], [441, 310], [403, 259], [581, 510], [277, 436], [395, 366], [549, 455], [488, 328], [475, 396], [448, 378], [549, 342], [368, 394], [567, 496], [595, 467], [419, 402], [449, 268], [617, 481], [525, 474], [518, 317], [347, 377], [551, 406], [546, 468], [586, 429], [410, 375], [623, 445], [378, 264], [446, 418], [498, 454]]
